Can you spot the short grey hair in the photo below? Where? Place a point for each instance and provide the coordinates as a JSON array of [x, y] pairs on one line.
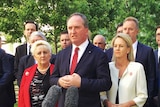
[[40, 34], [130, 18], [38, 43]]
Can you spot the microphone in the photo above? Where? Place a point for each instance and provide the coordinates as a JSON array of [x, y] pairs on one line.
[[52, 96], [71, 97]]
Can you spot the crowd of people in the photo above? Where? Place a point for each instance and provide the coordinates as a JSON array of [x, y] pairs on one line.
[[82, 73]]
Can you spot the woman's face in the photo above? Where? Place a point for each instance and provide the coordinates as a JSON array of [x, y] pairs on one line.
[[120, 48], [42, 54]]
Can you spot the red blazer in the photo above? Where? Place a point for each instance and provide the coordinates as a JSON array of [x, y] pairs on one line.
[[24, 95]]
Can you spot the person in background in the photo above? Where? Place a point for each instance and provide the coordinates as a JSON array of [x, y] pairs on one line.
[[143, 54], [28, 60], [157, 56], [100, 41], [35, 80], [64, 39], [129, 88], [90, 81], [109, 52], [24, 49], [119, 28], [7, 92], [0, 42]]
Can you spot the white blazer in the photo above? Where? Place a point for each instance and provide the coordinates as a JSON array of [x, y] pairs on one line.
[[132, 85]]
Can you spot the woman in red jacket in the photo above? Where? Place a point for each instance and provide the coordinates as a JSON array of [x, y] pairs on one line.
[[35, 81]]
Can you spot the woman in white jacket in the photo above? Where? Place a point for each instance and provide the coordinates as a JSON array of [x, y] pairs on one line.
[[128, 77]]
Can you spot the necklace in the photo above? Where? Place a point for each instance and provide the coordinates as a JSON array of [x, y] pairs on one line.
[[44, 70]]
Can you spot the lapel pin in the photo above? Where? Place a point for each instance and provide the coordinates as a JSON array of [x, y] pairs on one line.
[[27, 73], [130, 73]]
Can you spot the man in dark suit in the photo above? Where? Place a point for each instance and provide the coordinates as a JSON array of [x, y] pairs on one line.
[[28, 60], [7, 93], [157, 57], [143, 54], [29, 27], [91, 75], [64, 39]]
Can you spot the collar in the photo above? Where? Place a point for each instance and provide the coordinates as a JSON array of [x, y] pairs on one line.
[[134, 45], [83, 46]]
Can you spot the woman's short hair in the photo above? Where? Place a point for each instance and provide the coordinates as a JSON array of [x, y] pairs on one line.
[[128, 41], [38, 43]]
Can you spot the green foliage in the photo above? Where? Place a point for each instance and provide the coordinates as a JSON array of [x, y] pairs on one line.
[[103, 16]]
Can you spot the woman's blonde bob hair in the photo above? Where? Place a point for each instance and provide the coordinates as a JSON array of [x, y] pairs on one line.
[[38, 43], [128, 41]]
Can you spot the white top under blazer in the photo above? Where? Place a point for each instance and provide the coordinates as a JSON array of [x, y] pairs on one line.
[[132, 84]]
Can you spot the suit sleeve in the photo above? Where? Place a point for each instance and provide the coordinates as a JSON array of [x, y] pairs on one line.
[[16, 61], [151, 76], [21, 69], [6, 69]]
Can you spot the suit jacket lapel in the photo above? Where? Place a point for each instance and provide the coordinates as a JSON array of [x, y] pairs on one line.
[[139, 50], [84, 57], [68, 58], [156, 55]]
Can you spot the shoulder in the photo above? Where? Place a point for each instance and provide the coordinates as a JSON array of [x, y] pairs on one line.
[[135, 65], [156, 50], [25, 57], [65, 51], [146, 47], [112, 65], [21, 46], [96, 50], [11, 57], [30, 69], [109, 50], [2, 53]]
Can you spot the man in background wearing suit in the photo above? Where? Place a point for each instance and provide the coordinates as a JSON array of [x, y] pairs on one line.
[[29, 27], [91, 74], [7, 93], [100, 41], [64, 39], [143, 54], [157, 56]]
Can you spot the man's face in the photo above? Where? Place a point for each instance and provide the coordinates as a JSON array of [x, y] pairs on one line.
[[120, 29], [99, 42], [29, 28], [34, 38], [158, 36], [64, 40], [130, 28], [78, 33]]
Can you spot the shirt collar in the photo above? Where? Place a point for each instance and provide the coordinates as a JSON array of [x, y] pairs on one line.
[[83, 46], [134, 45]]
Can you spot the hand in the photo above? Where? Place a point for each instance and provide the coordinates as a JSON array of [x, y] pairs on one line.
[[70, 80], [121, 105], [76, 80], [65, 81]]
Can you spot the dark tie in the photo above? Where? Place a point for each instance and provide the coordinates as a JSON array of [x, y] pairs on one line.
[[74, 60], [30, 50]]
